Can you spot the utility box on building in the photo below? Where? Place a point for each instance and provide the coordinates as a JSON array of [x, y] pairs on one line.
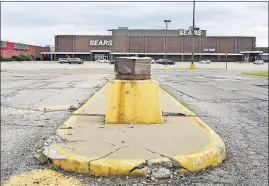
[[132, 68]]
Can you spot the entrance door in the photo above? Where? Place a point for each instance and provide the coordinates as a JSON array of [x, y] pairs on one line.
[[100, 56]]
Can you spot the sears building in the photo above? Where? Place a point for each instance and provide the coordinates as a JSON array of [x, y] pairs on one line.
[[177, 44]]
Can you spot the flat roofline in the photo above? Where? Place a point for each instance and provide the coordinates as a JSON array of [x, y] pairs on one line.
[[243, 52], [124, 53], [65, 52], [106, 35], [156, 29], [132, 53]]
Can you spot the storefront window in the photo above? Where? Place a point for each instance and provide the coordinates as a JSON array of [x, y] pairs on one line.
[[3, 44]]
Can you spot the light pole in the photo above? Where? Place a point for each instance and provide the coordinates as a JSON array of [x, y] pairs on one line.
[[165, 44], [193, 25]]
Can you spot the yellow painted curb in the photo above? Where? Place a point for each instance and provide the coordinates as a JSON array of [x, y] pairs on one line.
[[192, 66], [210, 155], [178, 103], [42, 177]]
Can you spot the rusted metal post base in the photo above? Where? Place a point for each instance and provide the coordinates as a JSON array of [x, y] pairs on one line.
[[132, 68], [133, 77]]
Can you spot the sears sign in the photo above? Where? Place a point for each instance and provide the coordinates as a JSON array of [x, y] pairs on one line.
[[183, 32], [101, 42]]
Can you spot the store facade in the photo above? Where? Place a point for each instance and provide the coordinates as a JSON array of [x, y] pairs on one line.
[[152, 43]]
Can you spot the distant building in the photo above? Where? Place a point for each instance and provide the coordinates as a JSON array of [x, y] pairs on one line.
[[177, 43], [9, 49]]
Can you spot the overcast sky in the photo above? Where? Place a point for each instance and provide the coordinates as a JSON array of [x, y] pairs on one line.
[[37, 22]]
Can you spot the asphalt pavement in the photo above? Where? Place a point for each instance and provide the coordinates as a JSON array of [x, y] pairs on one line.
[[235, 106], [24, 97]]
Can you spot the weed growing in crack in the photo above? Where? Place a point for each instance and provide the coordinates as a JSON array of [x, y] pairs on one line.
[[72, 107]]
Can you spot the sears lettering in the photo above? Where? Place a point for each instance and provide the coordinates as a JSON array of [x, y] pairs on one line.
[[92, 42], [181, 32], [105, 42], [110, 42], [189, 32], [198, 32], [101, 42]]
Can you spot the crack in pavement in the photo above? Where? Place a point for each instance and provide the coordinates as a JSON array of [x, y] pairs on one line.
[[177, 114], [37, 126], [34, 109], [159, 169], [175, 163], [78, 114], [120, 148], [21, 108]]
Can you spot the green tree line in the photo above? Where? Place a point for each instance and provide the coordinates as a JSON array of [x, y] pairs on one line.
[[21, 58]]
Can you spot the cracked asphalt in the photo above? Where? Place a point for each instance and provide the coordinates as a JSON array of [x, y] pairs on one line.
[[235, 106]]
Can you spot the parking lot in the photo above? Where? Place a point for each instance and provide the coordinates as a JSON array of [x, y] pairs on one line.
[[36, 96], [95, 65]]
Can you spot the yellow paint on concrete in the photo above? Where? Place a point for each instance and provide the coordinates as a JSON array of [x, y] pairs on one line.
[[97, 167], [106, 167], [135, 102], [211, 154], [42, 177], [192, 66]]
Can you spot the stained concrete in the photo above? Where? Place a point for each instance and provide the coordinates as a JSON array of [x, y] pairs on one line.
[[97, 104], [178, 134]]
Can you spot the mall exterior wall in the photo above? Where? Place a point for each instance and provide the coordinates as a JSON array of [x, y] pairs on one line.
[[179, 48], [155, 44]]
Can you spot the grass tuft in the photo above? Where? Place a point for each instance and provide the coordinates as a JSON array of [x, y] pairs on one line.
[[257, 73]]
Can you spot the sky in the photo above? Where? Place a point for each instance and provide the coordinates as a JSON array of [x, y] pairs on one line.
[[37, 23]]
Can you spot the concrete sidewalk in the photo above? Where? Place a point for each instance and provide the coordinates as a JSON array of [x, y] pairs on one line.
[[97, 104], [183, 143]]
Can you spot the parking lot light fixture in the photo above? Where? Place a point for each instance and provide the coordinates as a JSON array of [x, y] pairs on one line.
[[192, 66], [165, 43]]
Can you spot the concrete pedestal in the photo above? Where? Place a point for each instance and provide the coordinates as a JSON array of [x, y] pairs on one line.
[[133, 101]]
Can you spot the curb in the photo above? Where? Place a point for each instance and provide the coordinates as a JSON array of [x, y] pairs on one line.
[[178, 103], [208, 156]]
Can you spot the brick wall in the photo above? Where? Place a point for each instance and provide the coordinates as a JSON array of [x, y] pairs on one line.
[[64, 43], [227, 44], [120, 44], [245, 43], [37, 50], [10, 53], [155, 44], [209, 43], [174, 44]]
